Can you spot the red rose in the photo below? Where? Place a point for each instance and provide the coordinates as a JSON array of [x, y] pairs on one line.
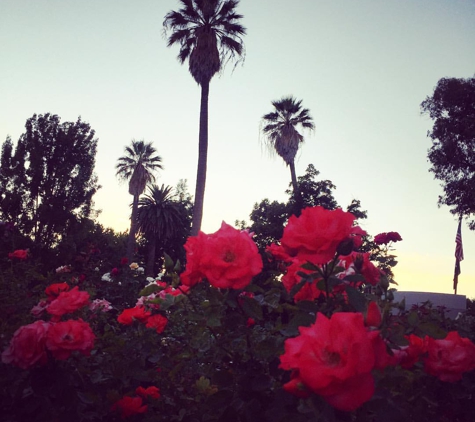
[[129, 406], [124, 261], [158, 322], [128, 316], [227, 258], [334, 358], [53, 290], [20, 254], [65, 337], [68, 302], [316, 234], [152, 392], [409, 355], [449, 358], [114, 272], [27, 347]]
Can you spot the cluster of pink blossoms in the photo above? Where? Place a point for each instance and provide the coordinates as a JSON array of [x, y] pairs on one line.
[[31, 343]]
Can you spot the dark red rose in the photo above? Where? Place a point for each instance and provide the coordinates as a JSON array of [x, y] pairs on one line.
[[20, 254], [128, 406], [53, 290]]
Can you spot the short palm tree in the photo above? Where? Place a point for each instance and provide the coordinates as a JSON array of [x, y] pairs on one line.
[[209, 34], [161, 218], [137, 167], [281, 135]]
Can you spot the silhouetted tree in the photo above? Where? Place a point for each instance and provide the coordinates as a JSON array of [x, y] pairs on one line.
[[48, 183], [137, 167], [163, 219], [281, 135], [452, 154]]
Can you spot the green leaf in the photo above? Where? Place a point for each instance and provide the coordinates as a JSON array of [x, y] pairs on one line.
[[252, 308], [295, 289], [413, 319], [168, 262], [432, 330], [356, 299], [147, 291], [355, 278]]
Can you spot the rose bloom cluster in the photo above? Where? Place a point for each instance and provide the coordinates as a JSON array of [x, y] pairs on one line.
[[139, 313], [228, 258], [335, 357], [31, 343], [129, 406], [318, 236], [385, 238], [447, 359]]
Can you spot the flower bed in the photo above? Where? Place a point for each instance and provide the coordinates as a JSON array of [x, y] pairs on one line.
[[305, 331]]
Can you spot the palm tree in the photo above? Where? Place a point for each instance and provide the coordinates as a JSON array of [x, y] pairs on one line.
[[209, 34], [162, 219], [281, 135], [137, 166]]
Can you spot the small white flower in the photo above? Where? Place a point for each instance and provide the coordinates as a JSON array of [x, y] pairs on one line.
[[149, 279], [106, 277], [96, 269], [140, 270]]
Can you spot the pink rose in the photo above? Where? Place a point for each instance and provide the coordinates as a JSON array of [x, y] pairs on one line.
[[449, 358], [27, 347]]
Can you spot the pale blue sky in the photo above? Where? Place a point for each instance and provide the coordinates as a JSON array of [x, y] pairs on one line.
[[362, 67]]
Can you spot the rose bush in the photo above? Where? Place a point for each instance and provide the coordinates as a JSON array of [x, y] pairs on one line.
[[292, 334]]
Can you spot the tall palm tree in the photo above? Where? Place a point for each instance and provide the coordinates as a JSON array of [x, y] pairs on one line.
[[137, 166], [162, 218], [209, 34], [281, 135]]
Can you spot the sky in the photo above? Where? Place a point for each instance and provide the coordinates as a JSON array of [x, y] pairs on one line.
[[362, 68]]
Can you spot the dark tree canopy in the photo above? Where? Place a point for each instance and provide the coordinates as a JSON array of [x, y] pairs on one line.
[[268, 219], [48, 182], [452, 154]]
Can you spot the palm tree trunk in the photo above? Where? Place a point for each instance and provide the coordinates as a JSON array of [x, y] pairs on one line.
[[133, 229], [295, 186], [202, 161]]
